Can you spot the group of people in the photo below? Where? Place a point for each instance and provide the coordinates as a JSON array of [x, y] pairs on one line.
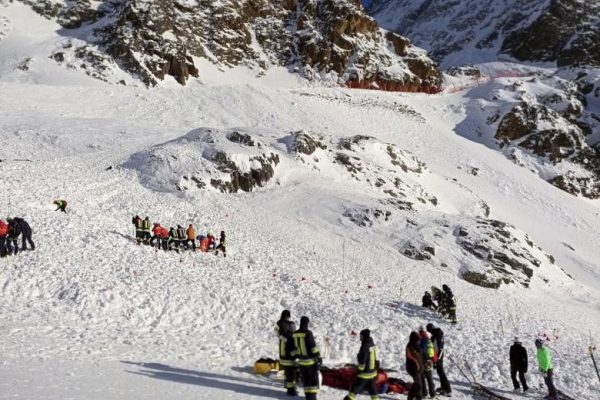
[[10, 230], [424, 353], [176, 238], [519, 366], [299, 356], [442, 301]]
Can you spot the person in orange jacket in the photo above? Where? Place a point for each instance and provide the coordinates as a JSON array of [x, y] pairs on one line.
[[3, 236], [156, 231], [191, 237]]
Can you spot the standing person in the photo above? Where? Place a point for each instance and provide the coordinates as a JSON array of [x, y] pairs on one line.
[[221, 245], [3, 236], [165, 239], [437, 337], [14, 231], [427, 301], [367, 367], [309, 359], [181, 237], [156, 234], [173, 239], [139, 231], [545, 363], [191, 236], [449, 303], [146, 230], [414, 366], [61, 204], [26, 233], [285, 329], [438, 298], [518, 364], [429, 359]]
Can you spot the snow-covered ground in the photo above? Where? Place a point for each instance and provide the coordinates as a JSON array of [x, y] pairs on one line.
[[91, 315]]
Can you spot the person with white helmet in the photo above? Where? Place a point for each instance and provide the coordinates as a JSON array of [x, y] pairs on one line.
[[518, 365]]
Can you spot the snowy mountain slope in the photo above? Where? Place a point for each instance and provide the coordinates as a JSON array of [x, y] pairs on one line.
[[326, 40], [190, 325], [564, 32]]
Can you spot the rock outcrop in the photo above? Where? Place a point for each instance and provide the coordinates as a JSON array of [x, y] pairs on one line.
[[321, 39], [562, 31]]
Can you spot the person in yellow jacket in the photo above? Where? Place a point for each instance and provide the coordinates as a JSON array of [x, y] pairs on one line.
[[191, 237], [285, 329], [367, 367], [309, 358], [544, 359]]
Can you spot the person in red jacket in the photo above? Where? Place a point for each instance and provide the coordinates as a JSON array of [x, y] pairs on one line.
[[164, 236], [156, 230], [3, 236]]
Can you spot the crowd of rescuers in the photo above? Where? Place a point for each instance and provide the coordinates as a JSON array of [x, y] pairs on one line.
[[177, 239]]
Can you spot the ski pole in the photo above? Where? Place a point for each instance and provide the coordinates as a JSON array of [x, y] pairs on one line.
[[594, 361]]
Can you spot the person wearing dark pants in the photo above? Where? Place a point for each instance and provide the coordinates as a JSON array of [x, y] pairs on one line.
[[518, 365], [415, 366], [309, 358], [367, 367], [429, 358], [26, 233], [437, 337], [221, 246], [61, 205], [285, 329], [545, 363], [3, 236], [14, 231]]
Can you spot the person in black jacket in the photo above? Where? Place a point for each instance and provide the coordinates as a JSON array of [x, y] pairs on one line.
[[26, 233], [449, 305], [285, 329], [415, 366], [428, 301], [14, 231], [367, 367], [309, 359], [437, 337], [518, 364]]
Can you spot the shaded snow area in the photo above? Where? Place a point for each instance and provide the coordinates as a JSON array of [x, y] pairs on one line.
[[343, 205]]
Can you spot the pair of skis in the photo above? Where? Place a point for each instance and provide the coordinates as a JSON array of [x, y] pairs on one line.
[[476, 387]]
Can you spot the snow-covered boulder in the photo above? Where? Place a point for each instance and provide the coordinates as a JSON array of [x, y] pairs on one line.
[[227, 161]]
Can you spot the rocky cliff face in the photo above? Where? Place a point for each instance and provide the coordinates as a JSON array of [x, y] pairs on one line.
[[563, 31], [321, 39]]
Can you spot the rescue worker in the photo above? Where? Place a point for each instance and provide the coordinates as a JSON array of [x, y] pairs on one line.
[[181, 237], [191, 236], [26, 233], [309, 359], [156, 234], [139, 230], [415, 366], [449, 303], [518, 364], [438, 298], [146, 230], [367, 367], [3, 237], [437, 338], [61, 204], [221, 245], [427, 301], [429, 359], [165, 239], [14, 231], [285, 329], [173, 239], [545, 363]]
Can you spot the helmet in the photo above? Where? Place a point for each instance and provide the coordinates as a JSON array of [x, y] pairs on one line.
[[304, 322], [538, 342], [429, 327], [365, 334], [285, 314]]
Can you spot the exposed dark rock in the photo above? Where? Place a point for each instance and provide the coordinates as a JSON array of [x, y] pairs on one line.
[[242, 138], [470, 71], [482, 280], [303, 143], [245, 181], [366, 217]]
